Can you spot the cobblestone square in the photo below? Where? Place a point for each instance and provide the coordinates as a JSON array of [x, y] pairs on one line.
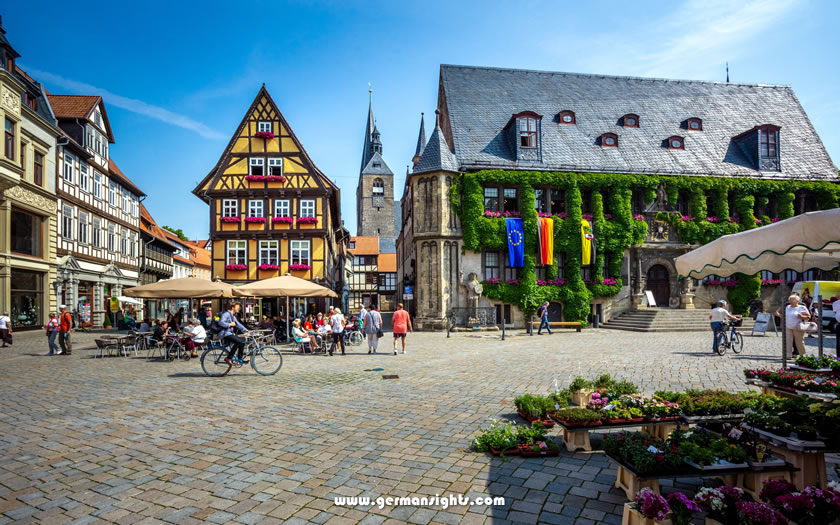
[[126, 440]]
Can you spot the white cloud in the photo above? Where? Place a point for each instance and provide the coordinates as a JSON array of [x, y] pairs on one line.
[[129, 104]]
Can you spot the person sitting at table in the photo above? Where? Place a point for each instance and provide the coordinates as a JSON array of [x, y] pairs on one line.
[[196, 335], [144, 327], [161, 331], [266, 323], [320, 321], [301, 336]]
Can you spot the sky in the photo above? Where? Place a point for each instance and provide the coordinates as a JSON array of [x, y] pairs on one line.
[[177, 77]]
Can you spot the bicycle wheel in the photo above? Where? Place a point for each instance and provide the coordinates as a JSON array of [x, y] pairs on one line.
[[356, 338], [266, 360], [737, 343], [213, 361], [721, 343]]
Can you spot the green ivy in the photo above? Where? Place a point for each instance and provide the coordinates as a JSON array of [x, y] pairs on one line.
[[742, 294], [616, 235]]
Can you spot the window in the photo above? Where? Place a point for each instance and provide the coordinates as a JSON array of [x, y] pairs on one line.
[[97, 232], [694, 124], [67, 222], [630, 120], [98, 181], [300, 252], [124, 242], [97, 117], [511, 202], [491, 265], [378, 193], [112, 238], [83, 227], [539, 200], [89, 142], [307, 208], [23, 156], [586, 201], [84, 177], [637, 202], [264, 127], [768, 143], [557, 201], [237, 252], [676, 143], [10, 139], [38, 169], [126, 202], [567, 117], [510, 273], [68, 168], [29, 100], [609, 140], [25, 233], [528, 132], [269, 252], [257, 166], [112, 194], [281, 208], [230, 208], [275, 167], [491, 199], [255, 208], [682, 202], [132, 245]]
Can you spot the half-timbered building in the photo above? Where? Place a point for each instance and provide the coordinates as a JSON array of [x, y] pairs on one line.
[[272, 211], [98, 211]]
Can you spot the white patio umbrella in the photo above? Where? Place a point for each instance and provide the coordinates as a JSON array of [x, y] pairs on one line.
[[807, 241], [129, 300]]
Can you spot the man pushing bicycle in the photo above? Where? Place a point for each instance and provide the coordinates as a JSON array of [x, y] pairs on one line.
[[229, 324], [718, 316]]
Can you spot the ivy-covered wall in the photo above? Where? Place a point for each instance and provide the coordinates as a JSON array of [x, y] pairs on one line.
[[614, 225]]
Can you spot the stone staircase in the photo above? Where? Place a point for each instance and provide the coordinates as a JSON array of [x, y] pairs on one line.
[[666, 320]]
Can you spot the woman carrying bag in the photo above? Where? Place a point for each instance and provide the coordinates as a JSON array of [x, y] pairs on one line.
[[373, 328], [52, 333]]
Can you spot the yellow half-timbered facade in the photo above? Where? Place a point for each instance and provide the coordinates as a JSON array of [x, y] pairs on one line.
[[272, 211]]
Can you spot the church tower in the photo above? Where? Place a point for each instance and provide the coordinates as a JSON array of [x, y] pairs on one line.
[[375, 192]]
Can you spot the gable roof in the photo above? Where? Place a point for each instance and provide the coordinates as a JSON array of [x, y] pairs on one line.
[[219, 167], [365, 245], [151, 228], [80, 106], [119, 175], [436, 155], [376, 166], [478, 101]]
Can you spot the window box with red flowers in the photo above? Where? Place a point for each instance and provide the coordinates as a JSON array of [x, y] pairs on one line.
[[236, 267], [265, 178], [269, 267], [264, 135], [307, 220], [255, 219], [231, 219], [282, 220], [299, 267]]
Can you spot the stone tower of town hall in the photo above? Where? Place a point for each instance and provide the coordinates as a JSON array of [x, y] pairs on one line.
[[375, 192]]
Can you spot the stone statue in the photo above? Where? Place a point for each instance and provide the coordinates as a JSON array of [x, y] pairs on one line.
[[474, 291]]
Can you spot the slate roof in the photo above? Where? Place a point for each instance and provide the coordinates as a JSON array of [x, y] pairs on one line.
[[436, 155], [479, 101], [376, 166], [421, 138], [370, 126]]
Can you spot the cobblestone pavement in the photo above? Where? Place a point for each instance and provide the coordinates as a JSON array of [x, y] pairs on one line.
[[125, 440]]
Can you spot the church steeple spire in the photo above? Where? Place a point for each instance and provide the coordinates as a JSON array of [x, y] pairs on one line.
[[421, 142], [370, 129]]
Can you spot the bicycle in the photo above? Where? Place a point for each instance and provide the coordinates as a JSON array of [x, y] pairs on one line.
[[266, 360], [734, 340]]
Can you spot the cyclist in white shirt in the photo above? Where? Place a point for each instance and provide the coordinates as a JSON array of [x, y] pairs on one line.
[[718, 316]]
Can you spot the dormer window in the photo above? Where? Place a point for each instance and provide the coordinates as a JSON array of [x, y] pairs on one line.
[[609, 140], [694, 124], [567, 117], [522, 133], [768, 148], [630, 120], [528, 132], [676, 142]]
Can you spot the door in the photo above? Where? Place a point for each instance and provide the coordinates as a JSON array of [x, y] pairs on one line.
[[555, 312], [659, 285]]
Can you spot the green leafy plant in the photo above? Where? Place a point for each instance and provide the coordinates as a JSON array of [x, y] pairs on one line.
[[579, 384], [577, 415], [497, 436]]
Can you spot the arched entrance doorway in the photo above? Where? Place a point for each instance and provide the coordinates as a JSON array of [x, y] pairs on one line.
[[659, 285], [555, 312]]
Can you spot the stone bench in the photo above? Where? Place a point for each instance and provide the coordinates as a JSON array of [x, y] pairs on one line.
[[560, 324]]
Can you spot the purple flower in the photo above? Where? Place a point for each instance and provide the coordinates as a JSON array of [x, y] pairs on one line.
[[773, 488], [756, 513], [652, 505], [681, 499], [794, 502]]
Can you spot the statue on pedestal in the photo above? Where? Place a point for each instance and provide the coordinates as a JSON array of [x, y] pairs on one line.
[[474, 291]]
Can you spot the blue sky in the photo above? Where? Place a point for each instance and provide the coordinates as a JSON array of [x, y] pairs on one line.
[[177, 77]]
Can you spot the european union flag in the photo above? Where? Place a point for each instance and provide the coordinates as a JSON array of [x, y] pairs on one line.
[[516, 243]]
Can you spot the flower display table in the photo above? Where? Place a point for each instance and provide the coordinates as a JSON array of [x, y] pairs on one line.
[[661, 430], [632, 516], [809, 464], [577, 438], [753, 482]]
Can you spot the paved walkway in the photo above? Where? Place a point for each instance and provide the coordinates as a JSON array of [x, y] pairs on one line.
[[124, 440]]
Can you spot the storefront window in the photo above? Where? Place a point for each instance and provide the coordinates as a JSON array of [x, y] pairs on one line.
[[27, 298], [85, 301]]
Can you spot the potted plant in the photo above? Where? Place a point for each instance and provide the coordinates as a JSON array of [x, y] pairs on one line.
[[720, 504], [682, 508], [649, 508], [577, 417], [757, 513], [498, 438], [580, 389]]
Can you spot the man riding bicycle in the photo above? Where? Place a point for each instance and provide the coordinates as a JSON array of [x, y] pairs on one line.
[[230, 323], [718, 316]]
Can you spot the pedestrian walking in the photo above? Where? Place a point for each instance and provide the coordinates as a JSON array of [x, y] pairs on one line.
[[337, 325], [372, 325], [402, 325], [52, 333], [65, 324], [5, 327], [542, 313]]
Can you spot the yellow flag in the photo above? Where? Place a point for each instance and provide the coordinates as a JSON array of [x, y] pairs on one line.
[[586, 237]]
